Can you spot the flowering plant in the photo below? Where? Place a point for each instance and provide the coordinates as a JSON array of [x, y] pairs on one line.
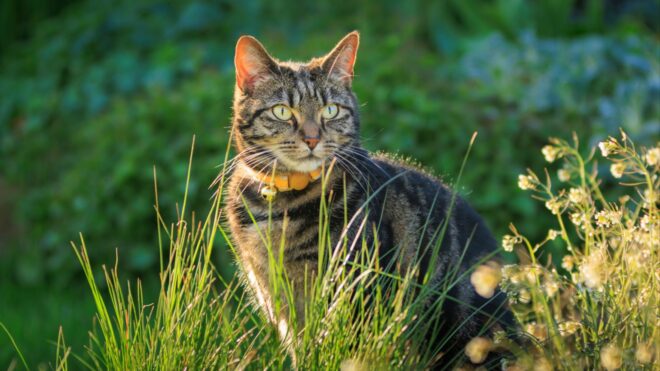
[[599, 306], [602, 308]]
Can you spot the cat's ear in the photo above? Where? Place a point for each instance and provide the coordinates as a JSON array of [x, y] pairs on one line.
[[338, 64], [253, 64]]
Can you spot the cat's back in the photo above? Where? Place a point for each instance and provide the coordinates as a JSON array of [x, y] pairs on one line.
[[420, 211], [407, 175], [408, 187]]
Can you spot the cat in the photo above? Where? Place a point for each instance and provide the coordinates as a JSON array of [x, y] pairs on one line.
[[291, 120]]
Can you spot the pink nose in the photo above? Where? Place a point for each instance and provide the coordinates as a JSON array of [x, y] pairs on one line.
[[311, 142]]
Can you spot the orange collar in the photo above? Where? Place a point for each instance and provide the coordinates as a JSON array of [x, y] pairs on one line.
[[295, 180]]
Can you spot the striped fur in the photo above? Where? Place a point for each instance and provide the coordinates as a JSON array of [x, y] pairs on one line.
[[409, 209]]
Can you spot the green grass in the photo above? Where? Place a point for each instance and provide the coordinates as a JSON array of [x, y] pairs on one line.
[[600, 309], [33, 315], [199, 321], [190, 323]]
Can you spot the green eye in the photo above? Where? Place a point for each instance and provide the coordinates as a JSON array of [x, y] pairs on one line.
[[282, 112], [330, 111]]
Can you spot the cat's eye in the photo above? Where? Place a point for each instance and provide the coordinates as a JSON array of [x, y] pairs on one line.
[[282, 112], [330, 111]]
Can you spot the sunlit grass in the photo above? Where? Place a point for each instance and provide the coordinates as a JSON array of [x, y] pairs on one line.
[[196, 321], [357, 313], [600, 309]]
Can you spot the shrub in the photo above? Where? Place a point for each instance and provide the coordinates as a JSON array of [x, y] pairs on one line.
[[601, 307]]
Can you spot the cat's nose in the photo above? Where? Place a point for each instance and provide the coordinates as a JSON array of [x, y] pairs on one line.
[[311, 134], [311, 141]]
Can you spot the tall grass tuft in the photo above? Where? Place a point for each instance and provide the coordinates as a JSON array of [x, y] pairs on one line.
[[357, 315], [196, 321]]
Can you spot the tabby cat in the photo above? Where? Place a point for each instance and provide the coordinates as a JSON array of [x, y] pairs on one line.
[[291, 120]]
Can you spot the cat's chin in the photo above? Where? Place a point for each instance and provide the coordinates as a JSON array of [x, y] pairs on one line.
[[305, 165]]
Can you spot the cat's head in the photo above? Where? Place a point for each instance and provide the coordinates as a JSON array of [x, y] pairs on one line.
[[298, 115]]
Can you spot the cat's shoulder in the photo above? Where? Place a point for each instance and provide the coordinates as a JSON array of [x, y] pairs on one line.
[[400, 162]]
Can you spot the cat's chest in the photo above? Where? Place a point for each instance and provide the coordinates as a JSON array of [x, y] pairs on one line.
[[288, 222]]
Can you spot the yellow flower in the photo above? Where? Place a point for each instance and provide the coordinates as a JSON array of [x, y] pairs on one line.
[[508, 242], [537, 330], [486, 278], [477, 349], [593, 271], [604, 150], [646, 223], [634, 259], [532, 273], [601, 218], [644, 353], [653, 156], [577, 195], [611, 357], [579, 219], [353, 365], [553, 204], [525, 182], [511, 273], [524, 296], [568, 328], [550, 152], [564, 175], [618, 169], [605, 218], [551, 287], [542, 364], [607, 146], [568, 262]]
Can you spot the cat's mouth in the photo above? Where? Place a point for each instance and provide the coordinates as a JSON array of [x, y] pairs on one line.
[[308, 162]]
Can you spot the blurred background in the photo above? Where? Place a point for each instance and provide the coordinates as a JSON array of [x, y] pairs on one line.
[[94, 94]]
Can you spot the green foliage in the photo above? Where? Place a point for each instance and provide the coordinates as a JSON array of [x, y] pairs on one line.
[[107, 90], [101, 110], [17, 17], [515, 94], [446, 22], [99, 92], [105, 166], [33, 316]]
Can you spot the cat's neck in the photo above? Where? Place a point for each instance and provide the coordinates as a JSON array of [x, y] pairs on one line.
[[285, 179], [275, 167]]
